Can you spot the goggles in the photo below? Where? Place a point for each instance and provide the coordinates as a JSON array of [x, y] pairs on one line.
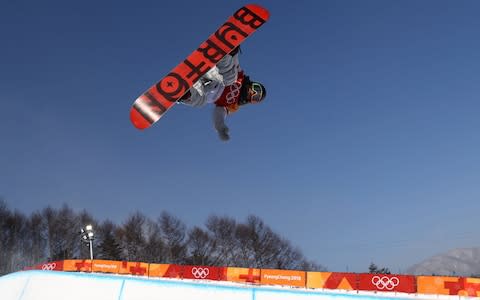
[[256, 92]]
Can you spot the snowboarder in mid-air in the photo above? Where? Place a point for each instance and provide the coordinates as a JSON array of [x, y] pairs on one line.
[[226, 86]]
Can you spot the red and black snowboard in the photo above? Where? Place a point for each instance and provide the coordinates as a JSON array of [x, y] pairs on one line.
[[150, 107]]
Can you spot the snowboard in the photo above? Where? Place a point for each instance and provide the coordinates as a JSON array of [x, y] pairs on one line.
[[159, 98]]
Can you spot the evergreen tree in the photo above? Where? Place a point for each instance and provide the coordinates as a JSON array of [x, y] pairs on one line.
[[109, 248], [373, 269]]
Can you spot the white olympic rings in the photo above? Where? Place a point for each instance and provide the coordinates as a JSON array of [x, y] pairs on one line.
[[49, 267], [234, 92], [388, 283], [200, 273]]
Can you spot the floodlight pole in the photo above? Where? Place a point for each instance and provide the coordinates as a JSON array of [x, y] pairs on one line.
[[91, 249], [88, 236]]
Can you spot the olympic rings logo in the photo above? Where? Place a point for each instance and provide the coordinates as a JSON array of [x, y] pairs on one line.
[[388, 283], [49, 267], [200, 273], [234, 92]]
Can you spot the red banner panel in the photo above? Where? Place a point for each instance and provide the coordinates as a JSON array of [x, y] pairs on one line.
[[49, 266], [202, 272], [387, 283]]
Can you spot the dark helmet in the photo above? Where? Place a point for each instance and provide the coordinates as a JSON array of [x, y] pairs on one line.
[[256, 92]]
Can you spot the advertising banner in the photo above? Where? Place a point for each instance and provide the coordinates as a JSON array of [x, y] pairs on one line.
[[76, 265], [106, 266], [158, 270], [386, 283], [334, 281], [448, 286], [249, 275], [49, 266], [202, 272], [283, 277], [165, 270], [133, 268]]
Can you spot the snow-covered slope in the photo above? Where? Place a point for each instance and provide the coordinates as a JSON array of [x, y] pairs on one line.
[[48, 285]]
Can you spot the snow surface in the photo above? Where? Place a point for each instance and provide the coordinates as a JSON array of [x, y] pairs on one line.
[[51, 285]]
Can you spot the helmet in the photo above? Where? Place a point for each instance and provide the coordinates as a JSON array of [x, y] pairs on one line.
[[256, 92]]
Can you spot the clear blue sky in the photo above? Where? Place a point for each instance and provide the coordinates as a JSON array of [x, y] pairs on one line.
[[366, 149]]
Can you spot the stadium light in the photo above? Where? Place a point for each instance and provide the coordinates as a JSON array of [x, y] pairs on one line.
[[88, 235]]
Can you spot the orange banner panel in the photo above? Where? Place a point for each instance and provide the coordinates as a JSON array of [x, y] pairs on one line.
[[106, 266], [76, 265], [472, 287], [165, 270], [446, 285], [158, 270], [329, 280], [250, 275], [133, 268], [282, 277]]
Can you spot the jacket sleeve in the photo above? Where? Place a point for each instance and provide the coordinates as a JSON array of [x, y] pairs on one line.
[[229, 67], [219, 114]]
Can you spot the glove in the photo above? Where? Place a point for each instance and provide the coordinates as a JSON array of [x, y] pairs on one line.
[[235, 51], [223, 134]]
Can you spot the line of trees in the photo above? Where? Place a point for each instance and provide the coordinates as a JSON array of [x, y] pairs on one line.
[[53, 234]]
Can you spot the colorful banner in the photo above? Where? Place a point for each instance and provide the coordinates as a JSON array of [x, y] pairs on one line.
[[448, 286], [49, 266], [133, 268], [77, 265], [386, 283], [165, 270], [436, 285], [202, 272], [106, 266], [283, 277], [249, 275], [334, 281]]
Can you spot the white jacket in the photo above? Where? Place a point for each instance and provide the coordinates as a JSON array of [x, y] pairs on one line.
[[210, 87]]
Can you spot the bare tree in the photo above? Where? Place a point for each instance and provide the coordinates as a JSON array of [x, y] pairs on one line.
[[14, 240], [62, 232], [36, 235], [54, 234], [4, 255], [200, 246], [222, 231], [131, 236], [155, 250], [173, 234]]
